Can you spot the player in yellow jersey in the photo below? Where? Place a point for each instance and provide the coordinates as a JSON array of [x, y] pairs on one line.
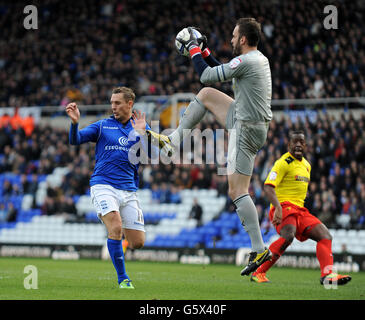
[[286, 188]]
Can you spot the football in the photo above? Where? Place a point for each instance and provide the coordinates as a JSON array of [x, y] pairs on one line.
[[184, 34]]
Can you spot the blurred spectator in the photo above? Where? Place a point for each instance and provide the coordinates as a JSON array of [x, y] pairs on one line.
[[326, 215], [155, 193], [196, 212], [337, 183], [345, 201], [146, 178], [185, 180], [164, 193], [201, 181], [317, 204], [16, 121], [174, 195], [49, 206], [222, 185], [12, 213], [113, 48], [28, 125], [5, 120], [3, 212], [7, 189], [51, 191], [66, 207], [30, 187], [5, 139]]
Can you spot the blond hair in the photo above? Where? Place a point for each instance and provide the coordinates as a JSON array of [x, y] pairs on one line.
[[127, 93]]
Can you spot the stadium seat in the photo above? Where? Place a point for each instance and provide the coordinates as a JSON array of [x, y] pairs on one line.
[[352, 233], [361, 236], [341, 233]]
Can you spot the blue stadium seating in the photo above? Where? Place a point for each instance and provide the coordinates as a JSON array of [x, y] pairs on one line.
[[27, 215], [224, 232], [155, 217], [7, 225]]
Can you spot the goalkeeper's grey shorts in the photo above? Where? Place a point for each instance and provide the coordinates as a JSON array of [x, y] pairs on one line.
[[246, 138]]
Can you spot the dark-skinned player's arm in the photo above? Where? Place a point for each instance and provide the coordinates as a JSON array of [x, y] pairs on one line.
[[271, 195]]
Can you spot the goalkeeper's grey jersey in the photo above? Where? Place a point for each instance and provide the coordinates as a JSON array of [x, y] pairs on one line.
[[251, 77]]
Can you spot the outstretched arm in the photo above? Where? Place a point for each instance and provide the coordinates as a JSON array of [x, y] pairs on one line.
[[76, 137], [74, 114]]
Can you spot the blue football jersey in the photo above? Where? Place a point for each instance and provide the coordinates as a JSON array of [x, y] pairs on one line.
[[114, 142]]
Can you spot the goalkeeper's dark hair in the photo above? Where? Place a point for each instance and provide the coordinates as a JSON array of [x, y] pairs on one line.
[[251, 29]]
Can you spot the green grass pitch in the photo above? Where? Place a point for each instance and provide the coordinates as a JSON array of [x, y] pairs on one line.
[[96, 280]]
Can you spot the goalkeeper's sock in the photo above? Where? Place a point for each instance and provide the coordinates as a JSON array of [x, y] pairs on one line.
[[277, 248], [117, 256], [324, 256], [247, 212], [193, 114]]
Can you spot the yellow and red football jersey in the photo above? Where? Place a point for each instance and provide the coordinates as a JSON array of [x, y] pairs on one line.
[[290, 177]]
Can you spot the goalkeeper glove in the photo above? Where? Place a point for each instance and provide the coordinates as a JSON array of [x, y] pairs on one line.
[[203, 40], [205, 50], [191, 44]]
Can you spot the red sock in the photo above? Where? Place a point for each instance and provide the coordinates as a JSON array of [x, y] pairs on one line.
[[277, 248], [324, 255]]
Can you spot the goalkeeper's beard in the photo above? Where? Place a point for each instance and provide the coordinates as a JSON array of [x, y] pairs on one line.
[[236, 49]]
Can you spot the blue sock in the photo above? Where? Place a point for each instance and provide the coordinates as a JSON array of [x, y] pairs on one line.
[[117, 256]]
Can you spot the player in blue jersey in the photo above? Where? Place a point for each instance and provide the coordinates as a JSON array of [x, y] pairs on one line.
[[114, 182]]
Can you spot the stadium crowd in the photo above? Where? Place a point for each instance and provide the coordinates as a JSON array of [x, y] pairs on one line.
[[336, 151], [81, 49]]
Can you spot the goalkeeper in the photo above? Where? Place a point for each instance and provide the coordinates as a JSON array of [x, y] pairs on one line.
[[246, 117]]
